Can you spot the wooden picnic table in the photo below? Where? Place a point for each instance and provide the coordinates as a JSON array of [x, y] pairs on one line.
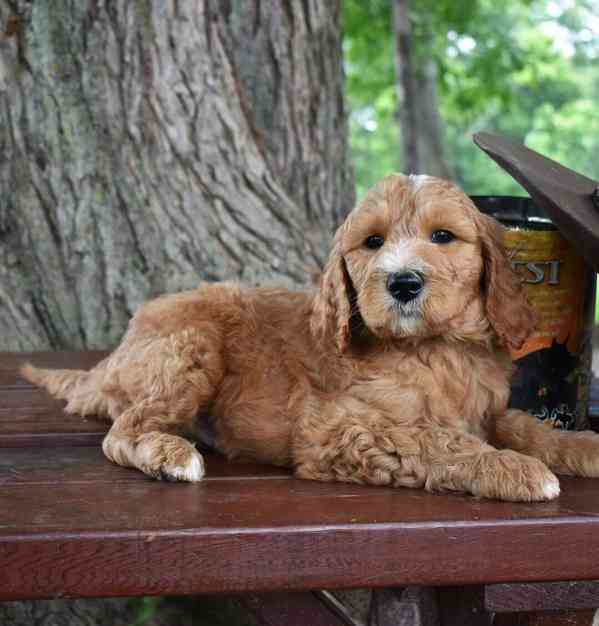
[[72, 524]]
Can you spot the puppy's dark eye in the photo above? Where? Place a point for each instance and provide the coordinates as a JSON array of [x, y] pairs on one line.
[[374, 241], [442, 236]]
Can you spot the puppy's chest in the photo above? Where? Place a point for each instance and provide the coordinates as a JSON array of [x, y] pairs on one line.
[[448, 387]]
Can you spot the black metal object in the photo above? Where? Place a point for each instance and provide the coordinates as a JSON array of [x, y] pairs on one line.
[[570, 199], [551, 377]]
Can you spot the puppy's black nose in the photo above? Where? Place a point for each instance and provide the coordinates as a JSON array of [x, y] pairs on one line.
[[405, 286]]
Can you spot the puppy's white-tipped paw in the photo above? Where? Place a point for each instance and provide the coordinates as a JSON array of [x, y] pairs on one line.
[[551, 489], [193, 471]]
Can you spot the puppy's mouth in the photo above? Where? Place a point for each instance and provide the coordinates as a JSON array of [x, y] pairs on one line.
[[407, 311], [408, 319]]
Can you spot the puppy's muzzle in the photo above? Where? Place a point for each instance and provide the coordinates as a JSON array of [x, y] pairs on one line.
[[405, 286]]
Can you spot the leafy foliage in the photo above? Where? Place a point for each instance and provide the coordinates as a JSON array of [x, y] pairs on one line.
[[523, 68]]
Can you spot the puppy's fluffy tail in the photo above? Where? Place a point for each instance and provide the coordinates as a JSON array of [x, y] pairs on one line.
[[79, 388]]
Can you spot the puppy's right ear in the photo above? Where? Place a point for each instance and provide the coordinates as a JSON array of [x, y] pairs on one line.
[[331, 308]]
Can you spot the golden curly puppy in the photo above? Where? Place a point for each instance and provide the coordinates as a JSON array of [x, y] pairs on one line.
[[394, 372]]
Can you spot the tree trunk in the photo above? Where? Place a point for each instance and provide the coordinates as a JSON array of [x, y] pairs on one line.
[[146, 145], [406, 88], [420, 127], [430, 135]]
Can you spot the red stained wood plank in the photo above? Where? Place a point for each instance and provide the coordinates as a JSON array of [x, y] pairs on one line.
[[58, 466], [29, 417], [50, 439], [549, 618], [130, 501], [77, 526], [205, 560], [542, 597], [244, 495], [67, 465]]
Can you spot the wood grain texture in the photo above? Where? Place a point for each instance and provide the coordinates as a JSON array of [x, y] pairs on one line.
[[65, 465], [28, 417], [150, 145], [97, 529], [550, 618], [545, 597]]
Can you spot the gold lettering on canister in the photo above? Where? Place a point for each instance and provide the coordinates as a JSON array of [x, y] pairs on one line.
[[552, 381]]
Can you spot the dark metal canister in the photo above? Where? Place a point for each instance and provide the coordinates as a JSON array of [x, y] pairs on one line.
[[553, 367]]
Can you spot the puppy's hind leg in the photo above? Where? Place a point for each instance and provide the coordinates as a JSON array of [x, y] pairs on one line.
[[181, 380], [565, 452]]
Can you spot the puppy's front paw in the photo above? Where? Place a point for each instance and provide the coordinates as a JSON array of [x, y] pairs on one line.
[[509, 475], [169, 457], [192, 471], [551, 488]]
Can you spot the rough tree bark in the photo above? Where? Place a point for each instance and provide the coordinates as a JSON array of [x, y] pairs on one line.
[[430, 136], [420, 127], [406, 87], [148, 144]]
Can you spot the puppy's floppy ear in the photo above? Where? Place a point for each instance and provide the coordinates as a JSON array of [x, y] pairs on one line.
[[507, 308], [331, 309]]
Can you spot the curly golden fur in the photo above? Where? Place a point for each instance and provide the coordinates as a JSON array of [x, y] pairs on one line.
[[356, 381]]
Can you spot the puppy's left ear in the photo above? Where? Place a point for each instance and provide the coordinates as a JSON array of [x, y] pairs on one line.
[[507, 308], [331, 308]]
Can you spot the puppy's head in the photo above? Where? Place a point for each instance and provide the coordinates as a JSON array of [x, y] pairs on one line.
[[415, 258]]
